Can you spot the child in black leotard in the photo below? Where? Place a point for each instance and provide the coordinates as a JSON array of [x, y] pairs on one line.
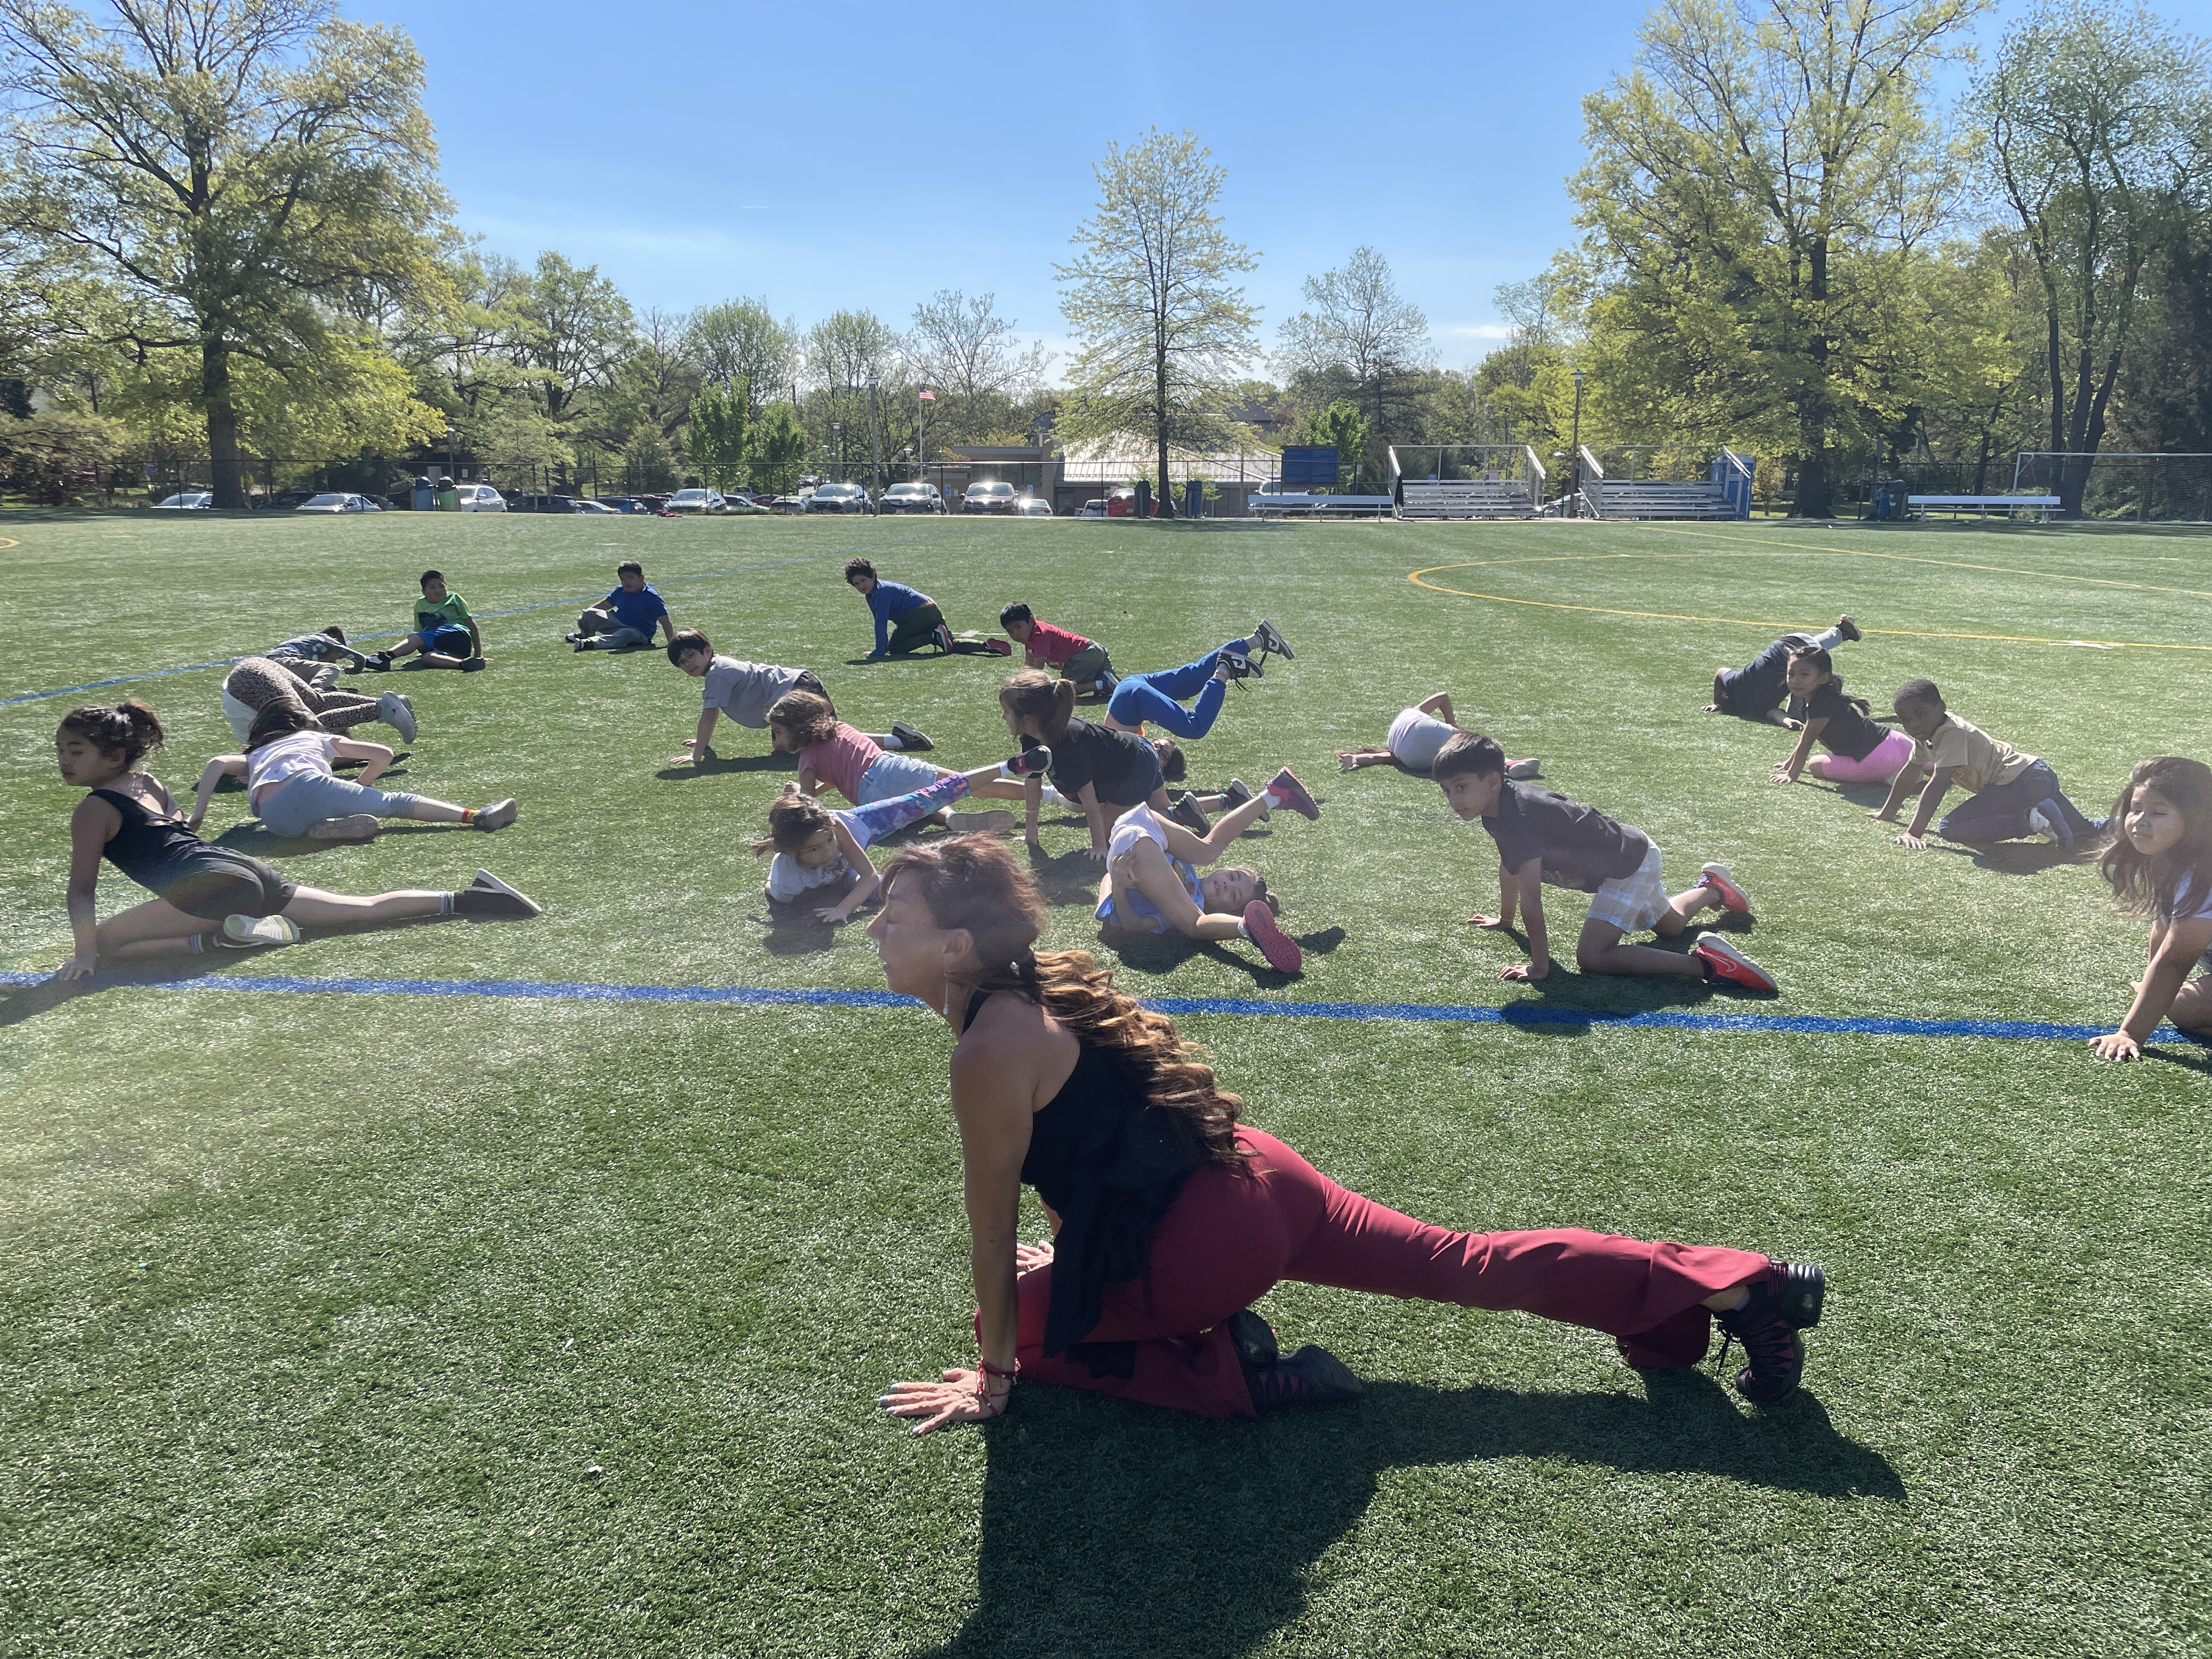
[[203, 893]]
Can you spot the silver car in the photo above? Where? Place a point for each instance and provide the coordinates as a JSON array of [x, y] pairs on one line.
[[339, 503], [837, 498], [697, 501]]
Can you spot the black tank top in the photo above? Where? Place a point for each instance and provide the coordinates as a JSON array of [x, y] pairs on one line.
[[1109, 1166], [156, 852]]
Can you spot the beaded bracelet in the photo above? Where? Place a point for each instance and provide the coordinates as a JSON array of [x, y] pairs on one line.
[[989, 1369]]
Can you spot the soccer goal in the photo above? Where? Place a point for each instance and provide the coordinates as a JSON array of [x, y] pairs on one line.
[[2135, 486], [1467, 481]]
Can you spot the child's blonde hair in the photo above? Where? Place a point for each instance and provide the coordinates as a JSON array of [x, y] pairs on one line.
[[793, 820]]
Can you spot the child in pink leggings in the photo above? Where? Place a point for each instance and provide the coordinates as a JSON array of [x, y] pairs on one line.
[[1859, 751]]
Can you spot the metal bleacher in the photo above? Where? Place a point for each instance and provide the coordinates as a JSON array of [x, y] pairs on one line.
[[1656, 498], [1508, 482]]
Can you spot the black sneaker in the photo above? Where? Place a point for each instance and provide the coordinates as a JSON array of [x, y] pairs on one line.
[[1238, 792], [911, 741], [1311, 1376], [1269, 638], [1850, 629], [488, 895], [1035, 759], [474, 664], [1187, 814], [1787, 1301], [1242, 667], [1254, 1339], [380, 661]]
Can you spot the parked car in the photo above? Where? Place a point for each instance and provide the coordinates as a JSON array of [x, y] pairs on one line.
[[1122, 503], [838, 498], [542, 504], [1093, 509], [911, 498], [794, 502], [285, 501], [339, 501], [591, 504], [737, 501], [479, 498], [1033, 507], [188, 500], [988, 496], [697, 501]]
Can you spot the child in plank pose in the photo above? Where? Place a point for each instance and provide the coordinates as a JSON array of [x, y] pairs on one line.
[[1157, 697], [1754, 691], [920, 623], [2161, 862], [745, 691], [1043, 645], [1859, 751], [626, 618], [1543, 837], [203, 894], [1101, 770], [445, 633], [255, 684], [832, 753], [1416, 738], [816, 847], [289, 783], [1151, 883], [2010, 795]]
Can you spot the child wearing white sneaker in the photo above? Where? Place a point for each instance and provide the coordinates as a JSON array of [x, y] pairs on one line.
[[2159, 861], [2010, 795], [1543, 837], [1416, 738]]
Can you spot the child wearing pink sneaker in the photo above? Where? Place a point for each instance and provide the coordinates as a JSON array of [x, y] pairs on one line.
[[1151, 882], [1543, 837]]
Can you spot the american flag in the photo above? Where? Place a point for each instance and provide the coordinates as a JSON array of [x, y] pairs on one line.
[[928, 396]]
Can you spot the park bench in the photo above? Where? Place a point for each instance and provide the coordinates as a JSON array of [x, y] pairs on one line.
[[2041, 506], [1288, 504]]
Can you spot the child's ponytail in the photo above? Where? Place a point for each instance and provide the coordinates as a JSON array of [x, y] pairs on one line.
[[1039, 702], [129, 727]]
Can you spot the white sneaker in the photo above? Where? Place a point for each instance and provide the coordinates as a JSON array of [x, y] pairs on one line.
[[244, 932], [2040, 824], [399, 714], [354, 826]]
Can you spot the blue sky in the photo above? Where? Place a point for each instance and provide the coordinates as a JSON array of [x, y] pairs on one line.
[[868, 156]]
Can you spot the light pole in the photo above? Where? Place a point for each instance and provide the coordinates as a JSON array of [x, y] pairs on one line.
[[1578, 443]]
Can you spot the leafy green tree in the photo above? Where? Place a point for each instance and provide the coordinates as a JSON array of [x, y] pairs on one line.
[[961, 348], [1755, 189], [54, 456], [718, 438], [648, 463], [780, 451], [242, 170], [1342, 425], [1165, 333], [740, 341], [2098, 131]]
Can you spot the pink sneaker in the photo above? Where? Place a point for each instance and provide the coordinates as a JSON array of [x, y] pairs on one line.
[[1279, 947], [1731, 964], [1733, 898], [1289, 792]]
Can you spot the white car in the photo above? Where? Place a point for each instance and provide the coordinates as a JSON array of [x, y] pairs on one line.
[[1033, 507], [188, 500], [697, 501], [339, 503], [480, 498]]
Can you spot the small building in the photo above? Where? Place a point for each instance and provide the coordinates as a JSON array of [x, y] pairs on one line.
[[1068, 478]]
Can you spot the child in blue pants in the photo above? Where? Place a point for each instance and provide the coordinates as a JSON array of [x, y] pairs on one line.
[[1158, 697]]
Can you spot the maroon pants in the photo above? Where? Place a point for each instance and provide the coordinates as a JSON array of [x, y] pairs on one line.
[[1229, 1238]]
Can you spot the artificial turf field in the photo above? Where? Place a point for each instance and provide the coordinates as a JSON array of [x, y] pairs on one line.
[[375, 1321]]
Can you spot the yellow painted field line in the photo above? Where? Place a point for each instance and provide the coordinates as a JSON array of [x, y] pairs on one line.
[[1906, 558]]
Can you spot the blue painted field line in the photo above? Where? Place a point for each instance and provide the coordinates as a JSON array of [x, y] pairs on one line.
[[516, 610], [754, 996]]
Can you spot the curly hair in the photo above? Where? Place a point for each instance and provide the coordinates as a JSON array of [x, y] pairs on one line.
[[860, 566], [808, 717], [2146, 885], [973, 882], [130, 727], [1040, 702], [793, 820]]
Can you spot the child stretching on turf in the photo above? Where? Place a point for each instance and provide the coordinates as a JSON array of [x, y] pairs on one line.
[[445, 633], [816, 847], [1043, 645], [1416, 737], [289, 784], [1543, 837], [203, 894], [1754, 691], [920, 622], [832, 753], [1151, 883], [1157, 697], [325, 651], [1859, 751], [2009, 795], [2159, 860], [745, 691]]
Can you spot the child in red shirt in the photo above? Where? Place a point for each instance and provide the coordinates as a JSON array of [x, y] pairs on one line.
[[1044, 646]]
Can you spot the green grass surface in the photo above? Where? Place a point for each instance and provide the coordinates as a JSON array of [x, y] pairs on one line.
[[320, 1312]]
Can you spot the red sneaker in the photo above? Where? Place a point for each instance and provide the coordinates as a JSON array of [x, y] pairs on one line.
[[1731, 964], [1289, 792], [1279, 947], [1733, 898]]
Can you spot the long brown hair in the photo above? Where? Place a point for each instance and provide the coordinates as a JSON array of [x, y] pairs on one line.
[[278, 719], [972, 882], [1039, 702], [2149, 885], [130, 728], [793, 820], [808, 717]]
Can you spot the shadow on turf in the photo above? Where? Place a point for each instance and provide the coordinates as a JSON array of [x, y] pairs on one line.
[[1162, 953], [1112, 1529], [726, 764]]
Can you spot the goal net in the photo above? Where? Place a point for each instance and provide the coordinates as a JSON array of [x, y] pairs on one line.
[[2137, 487]]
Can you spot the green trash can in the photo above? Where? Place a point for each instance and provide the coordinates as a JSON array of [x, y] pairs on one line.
[[449, 498]]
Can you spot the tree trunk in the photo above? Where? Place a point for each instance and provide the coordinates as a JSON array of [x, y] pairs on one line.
[[1815, 497], [225, 463], [1164, 500]]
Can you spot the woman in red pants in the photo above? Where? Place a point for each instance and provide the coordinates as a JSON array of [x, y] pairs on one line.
[[1170, 1217]]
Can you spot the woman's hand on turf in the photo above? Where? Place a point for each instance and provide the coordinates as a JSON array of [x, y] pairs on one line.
[[79, 966], [955, 1400], [2115, 1045], [1027, 1258], [1524, 970]]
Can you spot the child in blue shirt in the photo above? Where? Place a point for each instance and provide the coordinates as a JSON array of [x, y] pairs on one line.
[[918, 621], [625, 619]]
